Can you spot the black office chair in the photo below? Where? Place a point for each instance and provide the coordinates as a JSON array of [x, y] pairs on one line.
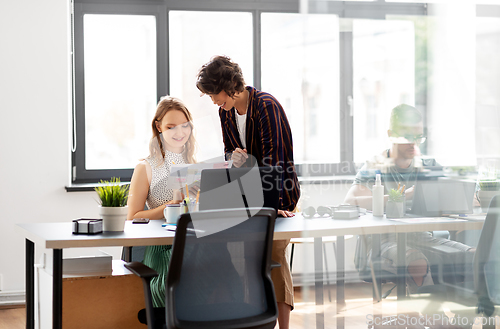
[[487, 261], [362, 264], [443, 272], [220, 280]]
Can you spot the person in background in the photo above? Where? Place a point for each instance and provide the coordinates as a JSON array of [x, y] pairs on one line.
[[173, 142], [400, 166], [256, 131]]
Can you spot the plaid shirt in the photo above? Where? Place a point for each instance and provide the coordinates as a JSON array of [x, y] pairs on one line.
[[268, 140]]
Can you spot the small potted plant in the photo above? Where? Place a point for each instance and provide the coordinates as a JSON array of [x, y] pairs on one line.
[[113, 204], [396, 204], [488, 188]]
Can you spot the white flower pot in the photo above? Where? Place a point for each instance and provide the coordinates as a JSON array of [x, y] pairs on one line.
[[395, 209], [113, 218], [485, 198]]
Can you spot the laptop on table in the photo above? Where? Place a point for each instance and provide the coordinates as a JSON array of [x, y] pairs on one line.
[[240, 188], [434, 198]]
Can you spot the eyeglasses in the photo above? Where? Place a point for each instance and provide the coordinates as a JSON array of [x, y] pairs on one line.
[[408, 139], [327, 211], [322, 211]]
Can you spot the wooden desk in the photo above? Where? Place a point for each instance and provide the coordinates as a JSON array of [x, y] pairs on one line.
[[94, 300], [58, 236]]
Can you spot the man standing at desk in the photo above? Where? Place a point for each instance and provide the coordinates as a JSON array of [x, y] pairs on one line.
[[399, 166], [256, 131]]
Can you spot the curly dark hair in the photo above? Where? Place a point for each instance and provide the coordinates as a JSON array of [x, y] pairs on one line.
[[220, 74]]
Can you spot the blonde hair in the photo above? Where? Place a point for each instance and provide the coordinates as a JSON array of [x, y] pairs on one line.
[[157, 144]]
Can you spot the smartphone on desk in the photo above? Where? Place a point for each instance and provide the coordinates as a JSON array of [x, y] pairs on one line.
[[140, 220]]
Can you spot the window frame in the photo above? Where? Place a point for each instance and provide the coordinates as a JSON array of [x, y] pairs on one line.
[[161, 8], [81, 8]]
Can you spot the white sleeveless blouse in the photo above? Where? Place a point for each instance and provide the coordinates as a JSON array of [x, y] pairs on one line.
[[159, 192]]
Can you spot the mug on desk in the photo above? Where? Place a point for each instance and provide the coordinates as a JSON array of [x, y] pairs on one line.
[[172, 213]]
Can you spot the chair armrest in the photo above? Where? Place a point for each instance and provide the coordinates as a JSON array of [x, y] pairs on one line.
[[441, 234], [442, 250], [141, 270], [146, 274], [275, 264]]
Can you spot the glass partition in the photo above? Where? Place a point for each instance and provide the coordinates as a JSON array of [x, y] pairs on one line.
[[417, 99], [300, 58]]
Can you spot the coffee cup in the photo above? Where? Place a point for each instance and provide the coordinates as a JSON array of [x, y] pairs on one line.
[[172, 213]]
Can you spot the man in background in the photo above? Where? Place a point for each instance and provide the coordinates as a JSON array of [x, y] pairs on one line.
[[400, 166]]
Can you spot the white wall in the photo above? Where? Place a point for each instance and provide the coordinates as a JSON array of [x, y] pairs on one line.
[[34, 128]]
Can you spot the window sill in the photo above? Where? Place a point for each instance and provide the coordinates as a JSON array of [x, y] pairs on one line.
[[86, 187], [340, 179]]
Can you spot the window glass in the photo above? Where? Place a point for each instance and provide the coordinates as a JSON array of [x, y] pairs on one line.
[[191, 46], [383, 77], [313, 1], [487, 86], [415, 1], [452, 85], [120, 88], [300, 67], [451, 2]]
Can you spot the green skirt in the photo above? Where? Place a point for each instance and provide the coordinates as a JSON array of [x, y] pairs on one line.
[[158, 258]]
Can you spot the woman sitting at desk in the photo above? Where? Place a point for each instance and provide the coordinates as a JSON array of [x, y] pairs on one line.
[[172, 143]]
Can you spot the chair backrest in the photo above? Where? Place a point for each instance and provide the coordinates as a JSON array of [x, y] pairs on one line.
[[487, 256], [222, 279]]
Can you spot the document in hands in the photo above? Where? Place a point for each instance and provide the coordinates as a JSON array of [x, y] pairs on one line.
[[190, 174]]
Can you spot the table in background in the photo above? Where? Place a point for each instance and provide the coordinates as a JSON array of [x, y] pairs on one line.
[[368, 224]]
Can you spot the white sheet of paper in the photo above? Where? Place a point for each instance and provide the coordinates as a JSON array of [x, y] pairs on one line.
[[190, 174]]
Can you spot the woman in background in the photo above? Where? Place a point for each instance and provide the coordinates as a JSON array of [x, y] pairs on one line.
[[172, 143]]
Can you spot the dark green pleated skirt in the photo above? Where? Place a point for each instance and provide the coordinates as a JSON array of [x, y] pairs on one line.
[[158, 258]]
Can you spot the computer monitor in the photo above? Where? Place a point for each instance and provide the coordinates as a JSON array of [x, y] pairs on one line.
[[240, 188], [442, 196]]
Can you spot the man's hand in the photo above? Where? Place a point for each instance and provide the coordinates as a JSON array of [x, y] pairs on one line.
[[239, 157], [409, 193]]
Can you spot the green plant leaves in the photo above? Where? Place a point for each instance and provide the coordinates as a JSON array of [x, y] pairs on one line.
[[395, 195], [489, 185], [112, 193]]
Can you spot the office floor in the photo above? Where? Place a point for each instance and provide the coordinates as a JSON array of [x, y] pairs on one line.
[[12, 317], [358, 310]]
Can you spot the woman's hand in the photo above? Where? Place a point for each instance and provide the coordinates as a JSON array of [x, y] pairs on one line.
[[193, 191], [173, 201], [285, 213], [239, 157], [178, 197]]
